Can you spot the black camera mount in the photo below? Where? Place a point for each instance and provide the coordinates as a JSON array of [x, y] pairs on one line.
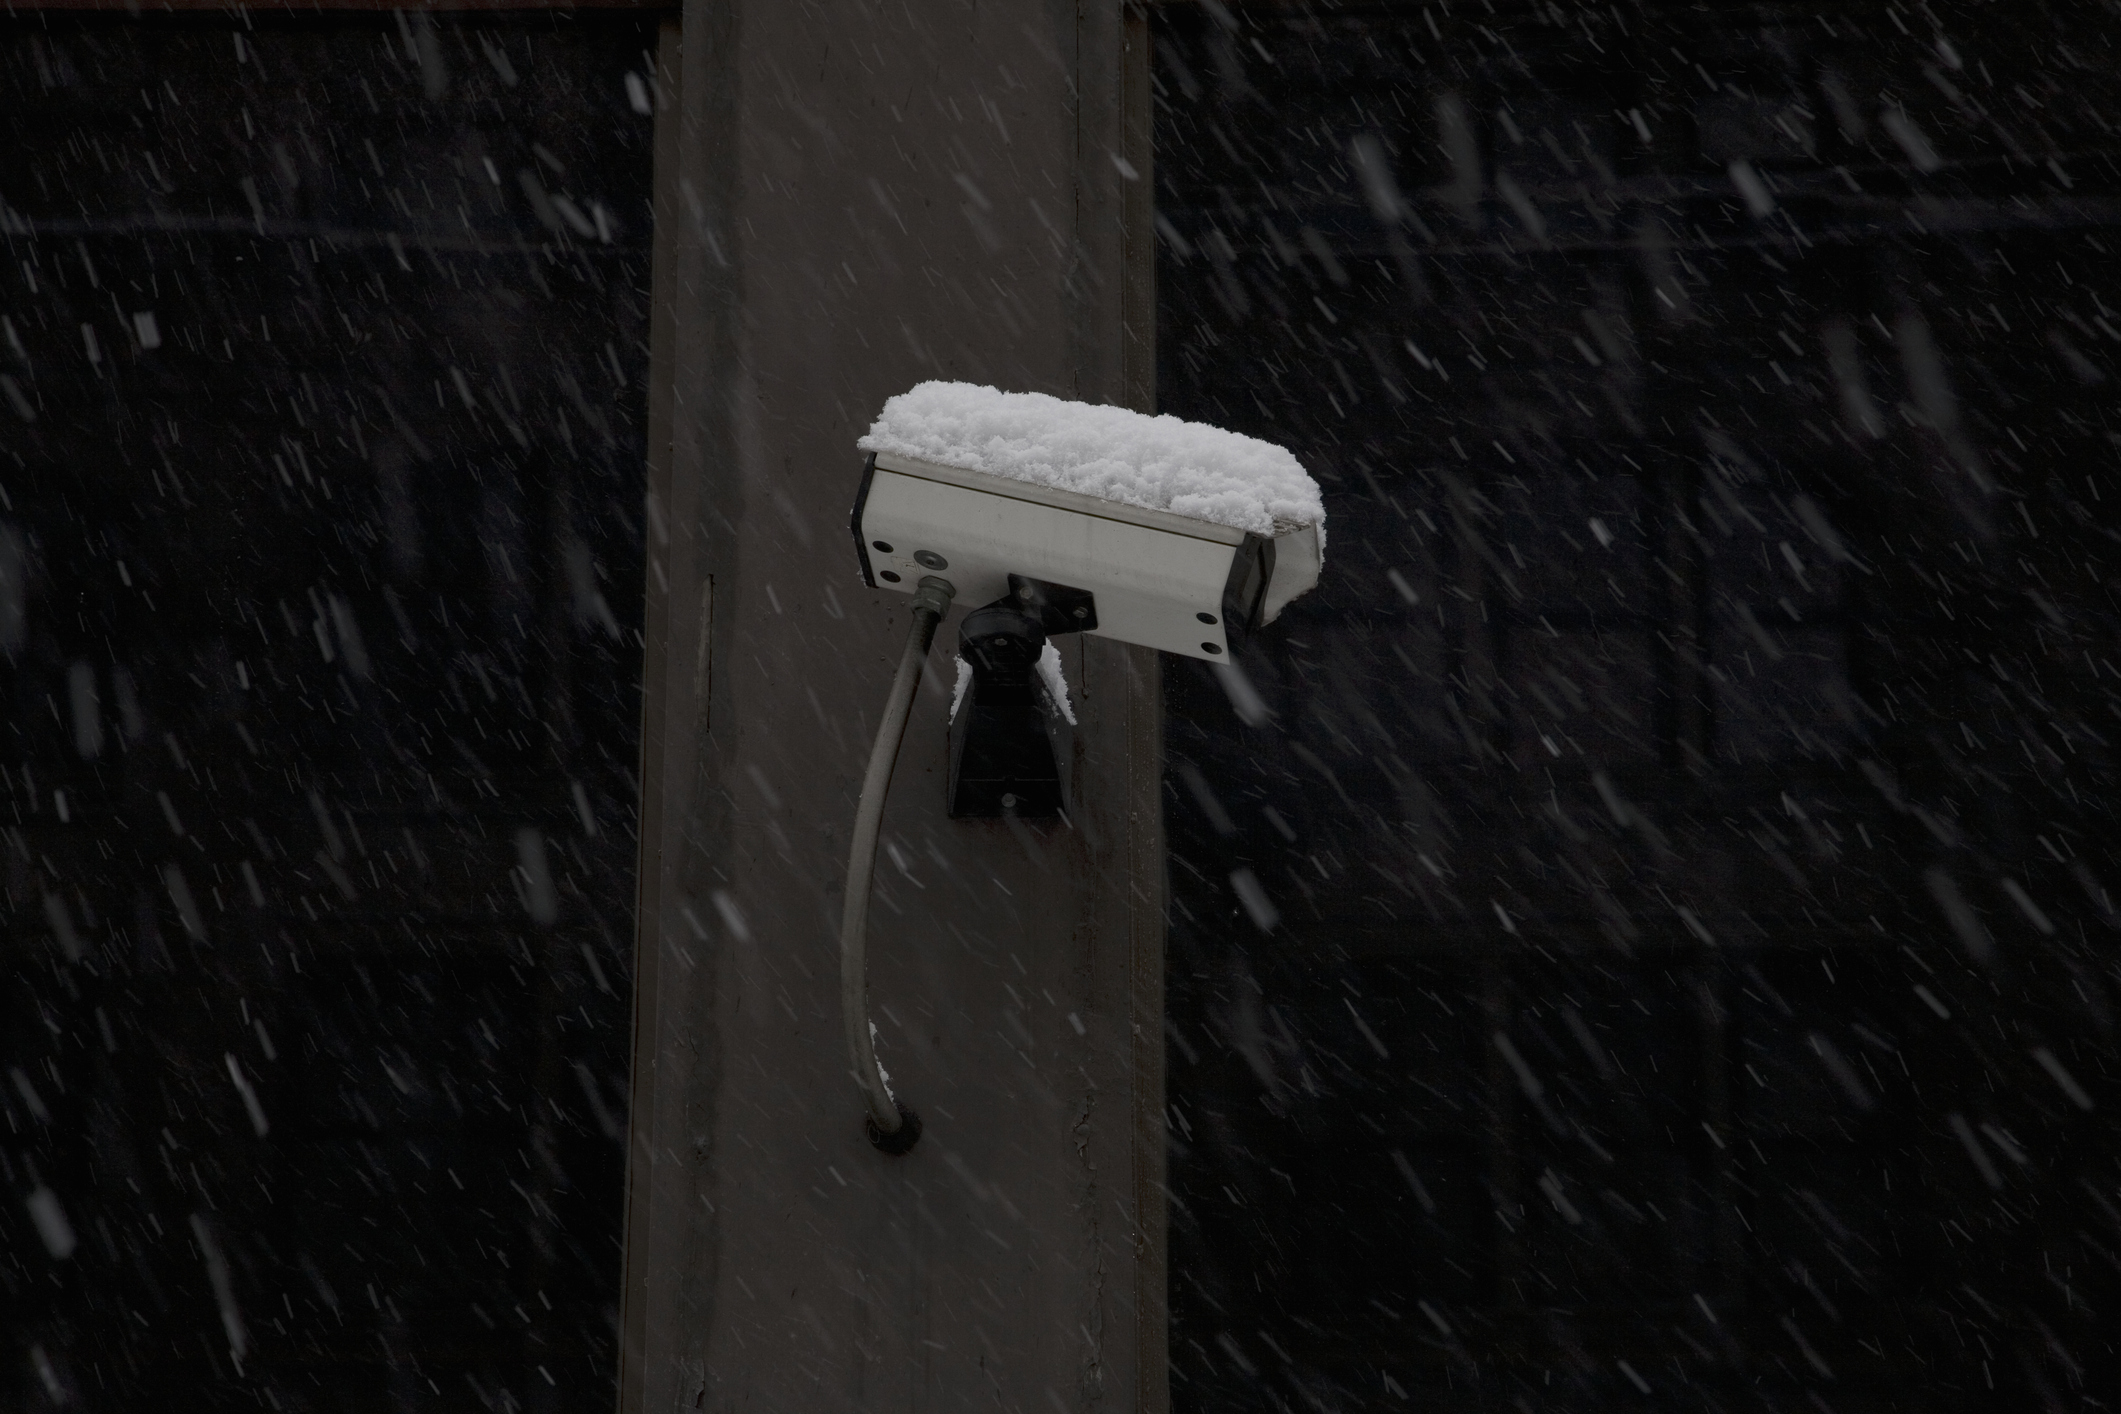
[[1012, 740]]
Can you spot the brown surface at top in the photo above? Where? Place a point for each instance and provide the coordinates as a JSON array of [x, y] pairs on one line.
[[157, 7]]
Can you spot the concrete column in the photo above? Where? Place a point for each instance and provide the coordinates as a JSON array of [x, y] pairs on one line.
[[852, 199]]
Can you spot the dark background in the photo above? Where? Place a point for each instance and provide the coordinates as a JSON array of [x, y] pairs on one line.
[[1684, 976], [1688, 877], [336, 589]]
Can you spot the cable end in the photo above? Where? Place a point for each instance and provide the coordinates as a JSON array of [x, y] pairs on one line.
[[900, 1140], [934, 594]]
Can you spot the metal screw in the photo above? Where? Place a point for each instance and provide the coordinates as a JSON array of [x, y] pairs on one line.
[[928, 559]]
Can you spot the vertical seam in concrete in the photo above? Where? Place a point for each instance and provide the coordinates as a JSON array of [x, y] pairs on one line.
[[662, 337], [1079, 315], [672, 1239], [1138, 268], [1145, 864]]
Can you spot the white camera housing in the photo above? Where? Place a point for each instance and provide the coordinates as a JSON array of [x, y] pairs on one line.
[[1160, 579]]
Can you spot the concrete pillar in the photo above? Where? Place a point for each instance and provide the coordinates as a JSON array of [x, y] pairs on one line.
[[853, 198]]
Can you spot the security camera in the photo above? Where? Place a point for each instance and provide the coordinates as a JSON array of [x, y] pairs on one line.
[[1054, 517], [1153, 576]]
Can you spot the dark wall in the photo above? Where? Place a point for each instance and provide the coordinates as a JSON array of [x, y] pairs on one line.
[[1683, 813], [319, 586]]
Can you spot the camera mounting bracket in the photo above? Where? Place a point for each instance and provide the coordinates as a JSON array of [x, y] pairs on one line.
[[1012, 747]]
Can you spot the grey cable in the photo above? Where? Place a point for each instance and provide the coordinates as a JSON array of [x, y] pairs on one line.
[[930, 602]]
